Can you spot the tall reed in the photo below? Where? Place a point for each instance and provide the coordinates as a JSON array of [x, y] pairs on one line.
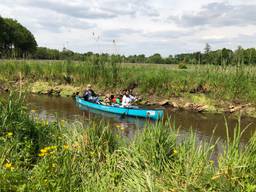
[[221, 83]]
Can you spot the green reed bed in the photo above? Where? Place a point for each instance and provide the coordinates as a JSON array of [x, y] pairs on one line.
[[37, 155], [229, 82]]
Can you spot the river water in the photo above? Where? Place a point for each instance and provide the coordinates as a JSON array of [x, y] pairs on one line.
[[203, 124]]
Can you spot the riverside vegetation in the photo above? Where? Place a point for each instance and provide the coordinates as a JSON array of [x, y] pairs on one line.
[[37, 155], [216, 87]]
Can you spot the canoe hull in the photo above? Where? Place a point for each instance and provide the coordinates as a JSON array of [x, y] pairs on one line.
[[144, 113]]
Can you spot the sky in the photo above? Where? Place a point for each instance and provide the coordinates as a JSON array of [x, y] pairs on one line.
[[136, 26]]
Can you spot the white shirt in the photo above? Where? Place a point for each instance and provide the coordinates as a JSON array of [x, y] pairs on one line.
[[126, 101]]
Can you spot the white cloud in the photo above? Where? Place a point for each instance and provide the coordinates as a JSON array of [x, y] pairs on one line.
[[138, 26], [219, 14]]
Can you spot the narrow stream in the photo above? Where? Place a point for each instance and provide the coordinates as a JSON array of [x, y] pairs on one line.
[[203, 124]]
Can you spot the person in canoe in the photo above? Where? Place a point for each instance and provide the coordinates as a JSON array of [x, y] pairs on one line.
[[117, 99], [113, 100], [127, 99], [108, 100], [90, 95]]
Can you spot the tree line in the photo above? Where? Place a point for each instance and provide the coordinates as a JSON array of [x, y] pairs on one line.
[[217, 57], [16, 41]]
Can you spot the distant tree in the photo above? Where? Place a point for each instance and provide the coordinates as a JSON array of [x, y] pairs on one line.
[[41, 53], [198, 57], [46, 53], [239, 55], [207, 48], [169, 60], [226, 56], [156, 58], [66, 54], [250, 56], [141, 59]]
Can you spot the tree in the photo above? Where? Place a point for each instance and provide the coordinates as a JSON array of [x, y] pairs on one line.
[[15, 39], [140, 59], [249, 56], [239, 55], [46, 53], [207, 48], [66, 53], [2, 36], [156, 58]]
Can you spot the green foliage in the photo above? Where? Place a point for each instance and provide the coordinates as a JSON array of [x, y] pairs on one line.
[[44, 53], [15, 40], [222, 57]]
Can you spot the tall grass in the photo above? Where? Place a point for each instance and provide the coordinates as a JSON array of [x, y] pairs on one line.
[[221, 82], [59, 156]]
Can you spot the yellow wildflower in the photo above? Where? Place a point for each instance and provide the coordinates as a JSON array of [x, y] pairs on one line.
[[53, 147], [8, 165], [175, 152], [33, 111], [43, 150], [9, 134], [65, 146], [46, 148], [41, 154]]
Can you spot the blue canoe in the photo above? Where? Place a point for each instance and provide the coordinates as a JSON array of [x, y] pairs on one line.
[[154, 114]]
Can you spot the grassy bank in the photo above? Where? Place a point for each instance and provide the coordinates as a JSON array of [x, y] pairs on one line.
[[204, 84], [41, 156], [218, 82]]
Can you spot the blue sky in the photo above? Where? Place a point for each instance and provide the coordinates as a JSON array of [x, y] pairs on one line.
[[137, 26]]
